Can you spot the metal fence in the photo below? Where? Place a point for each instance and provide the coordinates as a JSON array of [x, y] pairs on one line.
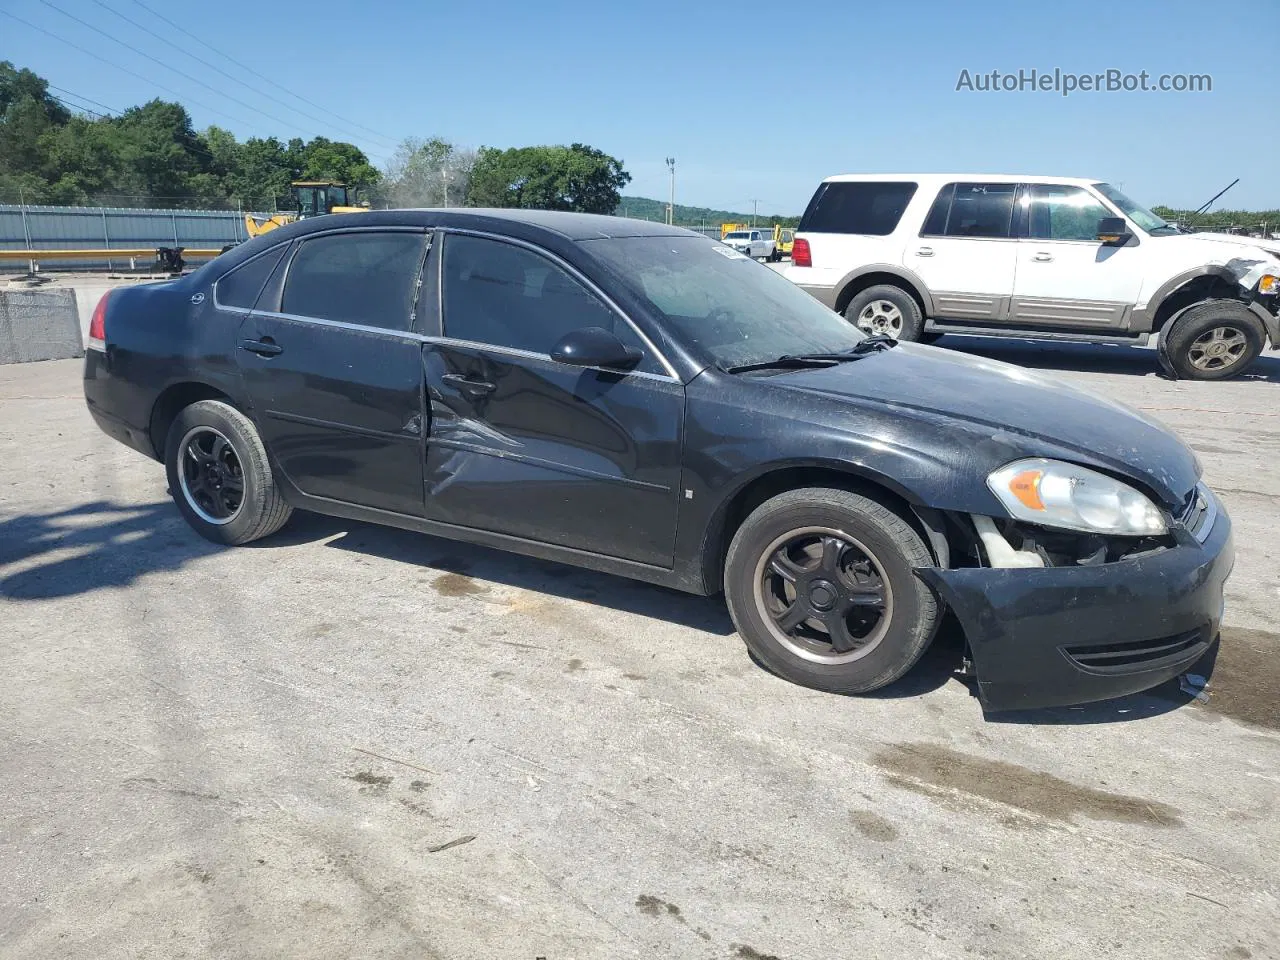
[[95, 228]]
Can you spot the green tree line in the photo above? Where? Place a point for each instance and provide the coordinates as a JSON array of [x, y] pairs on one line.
[[151, 155]]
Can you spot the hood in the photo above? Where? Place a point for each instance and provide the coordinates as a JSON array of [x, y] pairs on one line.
[[1245, 246], [1004, 411]]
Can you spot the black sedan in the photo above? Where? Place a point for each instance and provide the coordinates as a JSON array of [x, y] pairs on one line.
[[639, 399]]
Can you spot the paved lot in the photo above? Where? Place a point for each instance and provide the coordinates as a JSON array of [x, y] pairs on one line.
[[352, 741]]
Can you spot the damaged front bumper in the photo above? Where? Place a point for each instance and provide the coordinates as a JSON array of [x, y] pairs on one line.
[[1065, 635]]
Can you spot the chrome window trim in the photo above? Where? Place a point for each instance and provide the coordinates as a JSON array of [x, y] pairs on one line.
[[573, 272], [423, 338]]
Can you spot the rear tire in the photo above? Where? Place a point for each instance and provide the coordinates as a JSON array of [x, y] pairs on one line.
[[886, 309], [219, 475], [1214, 340], [849, 624]]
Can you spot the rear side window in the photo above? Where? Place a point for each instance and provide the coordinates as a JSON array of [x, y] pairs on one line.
[[973, 210], [240, 288], [872, 209], [367, 278]]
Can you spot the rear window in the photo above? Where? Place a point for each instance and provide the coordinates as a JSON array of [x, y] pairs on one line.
[[873, 209]]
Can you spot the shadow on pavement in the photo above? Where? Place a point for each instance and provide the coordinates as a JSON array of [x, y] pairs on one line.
[[91, 547], [1089, 357]]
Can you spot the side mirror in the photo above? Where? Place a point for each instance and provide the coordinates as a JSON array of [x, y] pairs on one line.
[[594, 347], [1113, 230]]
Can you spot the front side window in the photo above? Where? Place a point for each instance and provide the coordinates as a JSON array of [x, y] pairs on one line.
[[504, 295], [368, 278], [1061, 212], [975, 210], [240, 288], [871, 209], [1136, 212]]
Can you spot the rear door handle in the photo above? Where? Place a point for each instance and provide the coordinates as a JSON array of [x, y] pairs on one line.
[[266, 347], [465, 385], [1042, 257], [924, 251]]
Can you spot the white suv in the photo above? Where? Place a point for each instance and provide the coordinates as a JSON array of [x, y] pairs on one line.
[[917, 256]]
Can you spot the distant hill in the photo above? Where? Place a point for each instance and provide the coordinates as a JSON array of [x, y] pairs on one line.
[[643, 208]]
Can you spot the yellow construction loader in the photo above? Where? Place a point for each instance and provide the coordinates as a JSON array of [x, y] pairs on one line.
[[312, 198]]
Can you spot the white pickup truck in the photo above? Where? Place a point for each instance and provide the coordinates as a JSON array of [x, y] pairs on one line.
[[756, 244]]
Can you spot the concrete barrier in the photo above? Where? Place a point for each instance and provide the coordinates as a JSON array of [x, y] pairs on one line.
[[39, 325]]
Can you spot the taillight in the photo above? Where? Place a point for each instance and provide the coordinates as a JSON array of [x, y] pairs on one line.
[[800, 255], [98, 325]]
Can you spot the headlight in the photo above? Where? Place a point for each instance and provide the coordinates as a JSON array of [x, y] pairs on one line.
[[1056, 494], [1269, 284]]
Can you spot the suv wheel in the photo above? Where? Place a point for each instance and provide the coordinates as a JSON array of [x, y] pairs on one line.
[[888, 310], [219, 475], [1214, 340], [819, 583]]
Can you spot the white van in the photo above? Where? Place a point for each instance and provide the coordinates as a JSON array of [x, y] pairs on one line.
[[916, 256]]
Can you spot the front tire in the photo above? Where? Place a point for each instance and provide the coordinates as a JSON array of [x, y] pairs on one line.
[[819, 583], [219, 475], [888, 310], [1214, 340]]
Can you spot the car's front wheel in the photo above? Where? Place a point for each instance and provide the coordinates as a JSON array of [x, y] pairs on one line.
[[1214, 340], [219, 475], [819, 583]]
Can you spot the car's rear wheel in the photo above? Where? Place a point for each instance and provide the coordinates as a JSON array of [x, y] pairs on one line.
[[1214, 340], [819, 583], [219, 475], [886, 310]]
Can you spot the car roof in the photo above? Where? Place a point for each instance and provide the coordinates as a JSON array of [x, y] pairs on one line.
[[966, 177], [573, 226]]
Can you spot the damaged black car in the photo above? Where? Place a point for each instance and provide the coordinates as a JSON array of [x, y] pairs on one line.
[[638, 399]]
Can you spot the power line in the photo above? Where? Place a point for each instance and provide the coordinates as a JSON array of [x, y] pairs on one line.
[[242, 66], [389, 143], [132, 73], [159, 62]]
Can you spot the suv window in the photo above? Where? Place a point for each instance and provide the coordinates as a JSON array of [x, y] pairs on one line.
[[1061, 212], [974, 210], [240, 287], [367, 277], [508, 296], [873, 209]]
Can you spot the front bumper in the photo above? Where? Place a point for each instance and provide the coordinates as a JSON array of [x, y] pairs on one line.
[[1052, 636]]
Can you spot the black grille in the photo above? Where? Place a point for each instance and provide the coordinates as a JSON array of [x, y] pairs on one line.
[[1195, 511], [1140, 655]]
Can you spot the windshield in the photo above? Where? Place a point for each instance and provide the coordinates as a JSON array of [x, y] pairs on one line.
[[1136, 212], [737, 235], [713, 298]]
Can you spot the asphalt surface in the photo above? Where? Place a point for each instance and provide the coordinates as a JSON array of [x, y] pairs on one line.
[[354, 741]]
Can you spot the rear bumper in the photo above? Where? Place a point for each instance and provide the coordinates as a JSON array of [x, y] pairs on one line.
[[824, 295], [1067, 635], [107, 398]]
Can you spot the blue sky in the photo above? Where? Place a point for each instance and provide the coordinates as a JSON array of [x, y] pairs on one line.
[[755, 101]]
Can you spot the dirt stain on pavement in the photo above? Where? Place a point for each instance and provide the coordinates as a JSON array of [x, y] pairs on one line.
[[456, 585], [745, 952], [873, 826], [370, 783], [655, 907], [928, 769], [574, 666], [1246, 678]]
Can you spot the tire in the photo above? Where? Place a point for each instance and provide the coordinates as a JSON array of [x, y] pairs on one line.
[[890, 310], [878, 547], [1214, 340], [204, 489]]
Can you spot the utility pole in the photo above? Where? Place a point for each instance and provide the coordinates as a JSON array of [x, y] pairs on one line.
[[671, 207], [755, 205], [444, 180]]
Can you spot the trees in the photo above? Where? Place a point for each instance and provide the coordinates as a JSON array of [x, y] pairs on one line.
[[577, 177], [426, 173]]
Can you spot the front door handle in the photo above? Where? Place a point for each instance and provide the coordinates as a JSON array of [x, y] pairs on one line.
[[1042, 257], [266, 347], [924, 251], [465, 385]]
